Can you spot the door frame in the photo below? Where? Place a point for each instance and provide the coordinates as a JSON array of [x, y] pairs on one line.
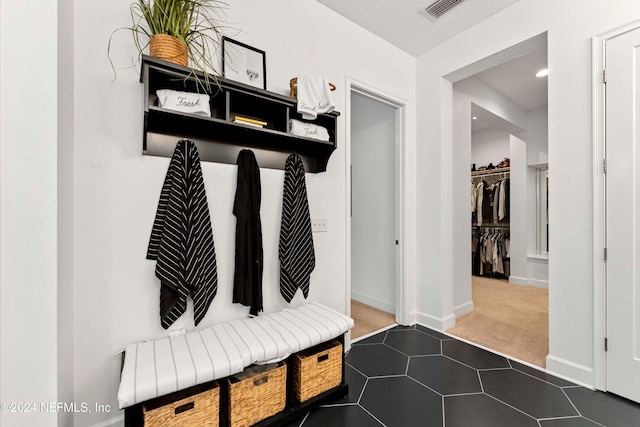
[[355, 86], [599, 202]]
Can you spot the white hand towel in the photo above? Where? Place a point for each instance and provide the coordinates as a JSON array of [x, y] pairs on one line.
[[187, 102], [309, 130], [314, 96]]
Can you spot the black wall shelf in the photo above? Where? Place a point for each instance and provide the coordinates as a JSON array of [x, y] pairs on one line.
[[219, 138]]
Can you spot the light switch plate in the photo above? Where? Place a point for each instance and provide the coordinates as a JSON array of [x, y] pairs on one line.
[[318, 225]]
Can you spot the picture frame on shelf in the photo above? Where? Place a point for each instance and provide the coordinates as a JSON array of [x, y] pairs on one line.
[[243, 63]]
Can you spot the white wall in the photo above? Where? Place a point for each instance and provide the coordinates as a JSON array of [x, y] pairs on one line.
[[373, 217], [538, 136], [117, 188], [518, 194], [66, 245], [461, 236], [489, 146], [537, 155], [28, 209], [570, 160]]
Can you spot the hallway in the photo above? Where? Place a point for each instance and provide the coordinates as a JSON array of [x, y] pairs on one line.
[[414, 376]]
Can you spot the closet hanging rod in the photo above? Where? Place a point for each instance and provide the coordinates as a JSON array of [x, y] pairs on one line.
[[489, 172], [492, 225]]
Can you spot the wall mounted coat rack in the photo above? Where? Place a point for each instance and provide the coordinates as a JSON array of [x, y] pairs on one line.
[[220, 138]]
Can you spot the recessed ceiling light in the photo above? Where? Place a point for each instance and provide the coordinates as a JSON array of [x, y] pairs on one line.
[[474, 118], [542, 73]]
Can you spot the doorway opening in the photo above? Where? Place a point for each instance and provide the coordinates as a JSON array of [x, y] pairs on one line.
[[500, 123], [374, 225]]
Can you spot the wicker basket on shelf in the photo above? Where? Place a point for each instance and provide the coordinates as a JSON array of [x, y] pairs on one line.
[[169, 48], [317, 370]]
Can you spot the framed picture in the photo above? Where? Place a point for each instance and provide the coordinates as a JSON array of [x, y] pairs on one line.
[[243, 63]]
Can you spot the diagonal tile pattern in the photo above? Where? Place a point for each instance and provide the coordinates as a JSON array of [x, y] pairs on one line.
[[414, 376]]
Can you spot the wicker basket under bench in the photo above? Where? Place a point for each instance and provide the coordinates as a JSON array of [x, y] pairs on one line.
[[257, 397], [304, 391], [316, 370], [296, 408], [197, 406]]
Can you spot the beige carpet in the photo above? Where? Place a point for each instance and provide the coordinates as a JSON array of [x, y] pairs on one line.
[[368, 319], [510, 319]]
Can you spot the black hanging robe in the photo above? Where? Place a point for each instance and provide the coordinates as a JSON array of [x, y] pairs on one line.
[[297, 256], [182, 239], [247, 282]]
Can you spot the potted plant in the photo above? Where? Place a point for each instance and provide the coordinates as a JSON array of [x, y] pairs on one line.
[[181, 31]]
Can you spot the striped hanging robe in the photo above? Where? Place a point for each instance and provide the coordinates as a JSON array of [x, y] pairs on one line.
[[182, 239], [297, 257]]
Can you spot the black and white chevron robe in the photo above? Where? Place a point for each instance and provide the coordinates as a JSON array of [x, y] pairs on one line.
[[182, 239], [297, 257]]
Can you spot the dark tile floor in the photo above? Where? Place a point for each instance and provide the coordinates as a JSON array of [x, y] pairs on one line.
[[415, 376]]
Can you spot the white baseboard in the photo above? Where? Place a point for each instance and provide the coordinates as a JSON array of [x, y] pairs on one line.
[[523, 281], [374, 302], [515, 280], [412, 318], [539, 283], [573, 372], [463, 309], [115, 421], [439, 324]]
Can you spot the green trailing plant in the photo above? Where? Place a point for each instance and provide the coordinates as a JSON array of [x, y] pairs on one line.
[[198, 23]]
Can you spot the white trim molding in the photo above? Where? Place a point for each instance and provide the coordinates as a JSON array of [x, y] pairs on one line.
[[119, 420], [573, 372], [387, 306], [355, 86], [463, 309], [439, 324]]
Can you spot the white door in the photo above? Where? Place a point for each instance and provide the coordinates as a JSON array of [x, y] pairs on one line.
[[373, 202], [622, 106]]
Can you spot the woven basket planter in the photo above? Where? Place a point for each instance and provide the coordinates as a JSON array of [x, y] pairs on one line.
[[317, 370], [169, 48], [257, 398]]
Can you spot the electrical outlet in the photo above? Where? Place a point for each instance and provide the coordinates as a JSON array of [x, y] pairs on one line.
[[319, 225]]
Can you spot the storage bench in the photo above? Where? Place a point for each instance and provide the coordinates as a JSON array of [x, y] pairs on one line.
[[168, 366]]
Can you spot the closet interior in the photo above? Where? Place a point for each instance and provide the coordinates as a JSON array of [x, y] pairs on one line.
[[490, 237]]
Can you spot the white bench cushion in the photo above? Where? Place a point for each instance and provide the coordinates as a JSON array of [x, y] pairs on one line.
[[257, 341], [156, 368], [309, 325], [163, 366]]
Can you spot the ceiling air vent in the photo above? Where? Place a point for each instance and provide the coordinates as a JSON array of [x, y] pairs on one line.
[[438, 8]]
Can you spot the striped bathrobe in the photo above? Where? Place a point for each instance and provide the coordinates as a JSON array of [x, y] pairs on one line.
[[182, 239], [296, 253]]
